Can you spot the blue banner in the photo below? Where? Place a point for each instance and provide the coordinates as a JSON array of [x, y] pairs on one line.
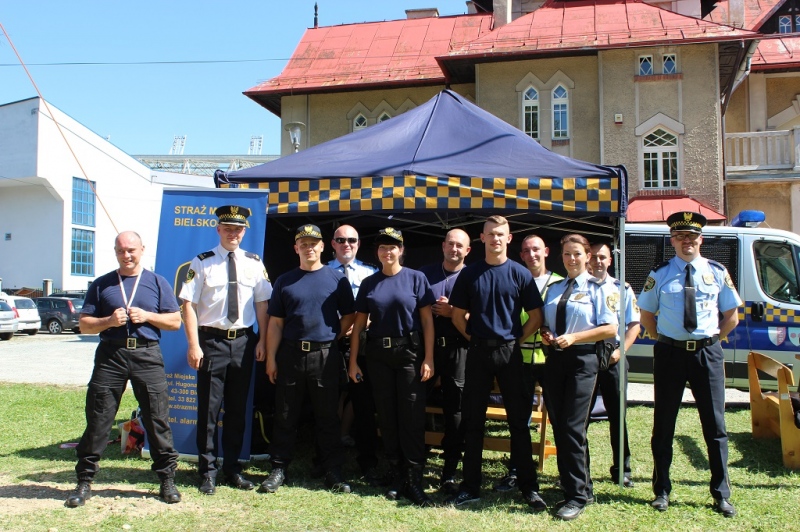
[[188, 228]]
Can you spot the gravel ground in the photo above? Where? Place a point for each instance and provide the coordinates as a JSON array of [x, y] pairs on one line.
[[67, 359]]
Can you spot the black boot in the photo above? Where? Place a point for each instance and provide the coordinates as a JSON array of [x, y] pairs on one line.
[[396, 481], [276, 478], [81, 494], [414, 490]]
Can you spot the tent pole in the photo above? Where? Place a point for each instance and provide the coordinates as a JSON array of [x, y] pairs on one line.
[[623, 382]]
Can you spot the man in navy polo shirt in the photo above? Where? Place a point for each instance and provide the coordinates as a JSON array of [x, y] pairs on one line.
[[494, 292]]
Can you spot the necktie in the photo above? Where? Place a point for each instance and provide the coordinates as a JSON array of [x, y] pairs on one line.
[[233, 290], [561, 309], [689, 302]]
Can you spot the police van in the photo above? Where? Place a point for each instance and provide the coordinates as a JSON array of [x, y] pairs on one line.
[[765, 267]]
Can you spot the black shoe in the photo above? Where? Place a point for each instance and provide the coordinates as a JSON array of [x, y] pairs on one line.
[[82, 493], [535, 501], [168, 492], [239, 482], [275, 480], [569, 511], [461, 498], [724, 507], [448, 486], [335, 482], [661, 503], [507, 483], [208, 486], [396, 481], [627, 482]]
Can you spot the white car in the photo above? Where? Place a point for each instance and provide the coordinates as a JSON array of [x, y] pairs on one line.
[[8, 321], [27, 313]]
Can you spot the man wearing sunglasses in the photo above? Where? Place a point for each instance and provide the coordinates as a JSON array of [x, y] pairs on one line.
[[345, 245]]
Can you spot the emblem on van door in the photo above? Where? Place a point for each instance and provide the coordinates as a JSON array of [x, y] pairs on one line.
[[794, 336], [777, 335]]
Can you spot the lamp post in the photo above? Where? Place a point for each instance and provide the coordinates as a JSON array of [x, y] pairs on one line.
[[295, 130]]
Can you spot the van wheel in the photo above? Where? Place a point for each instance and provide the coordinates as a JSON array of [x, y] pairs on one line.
[[76, 330], [31, 333], [54, 327], [6, 336]]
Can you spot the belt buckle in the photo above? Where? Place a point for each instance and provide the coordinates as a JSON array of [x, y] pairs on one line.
[[231, 334], [305, 346], [691, 345], [441, 341], [387, 342], [130, 343]]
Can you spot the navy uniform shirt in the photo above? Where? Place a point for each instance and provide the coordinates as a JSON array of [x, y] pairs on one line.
[[442, 283], [154, 294], [310, 303], [393, 302], [663, 293], [586, 308], [495, 296]]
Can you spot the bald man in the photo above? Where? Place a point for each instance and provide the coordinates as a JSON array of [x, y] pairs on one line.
[[450, 351]]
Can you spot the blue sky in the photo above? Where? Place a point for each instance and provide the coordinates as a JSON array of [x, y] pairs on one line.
[[215, 50]]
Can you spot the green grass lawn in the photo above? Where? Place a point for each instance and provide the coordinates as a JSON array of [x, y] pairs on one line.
[[36, 476]]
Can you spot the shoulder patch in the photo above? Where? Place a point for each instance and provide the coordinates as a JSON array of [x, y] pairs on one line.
[[205, 255], [189, 275], [612, 301], [649, 284], [252, 256]]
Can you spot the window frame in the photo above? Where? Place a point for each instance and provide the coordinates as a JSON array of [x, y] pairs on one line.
[[82, 260], [84, 202], [664, 58], [355, 125], [530, 106], [660, 161], [555, 106], [646, 59]]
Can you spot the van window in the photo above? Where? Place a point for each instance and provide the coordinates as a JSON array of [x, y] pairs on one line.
[[776, 263]]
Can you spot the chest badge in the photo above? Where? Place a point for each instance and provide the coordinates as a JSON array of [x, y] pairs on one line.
[[708, 278]]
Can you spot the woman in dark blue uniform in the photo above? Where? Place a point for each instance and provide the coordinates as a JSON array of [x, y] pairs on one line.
[[576, 316], [399, 351]]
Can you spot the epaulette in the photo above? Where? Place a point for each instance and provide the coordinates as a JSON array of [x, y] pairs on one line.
[[595, 280], [205, 255], [662, 265], [717, 264], [250, 255], [627, 284]]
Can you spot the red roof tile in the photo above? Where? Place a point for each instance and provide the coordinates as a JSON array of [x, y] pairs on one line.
[[397, 51], [595, 24], [659, 208], [777, 52], [756, 12]]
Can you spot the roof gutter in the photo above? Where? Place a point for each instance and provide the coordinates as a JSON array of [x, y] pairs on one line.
[[744, 67]]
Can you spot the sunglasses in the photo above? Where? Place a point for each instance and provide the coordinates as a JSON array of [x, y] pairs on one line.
[[680, 237], [342, 240]]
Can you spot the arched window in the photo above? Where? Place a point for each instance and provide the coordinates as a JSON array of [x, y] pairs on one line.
[[660, 159], [359, 122], [530, 113], [560, 112], [384, 117]]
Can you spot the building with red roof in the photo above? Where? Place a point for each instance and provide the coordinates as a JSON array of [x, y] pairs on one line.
[[607, 81]]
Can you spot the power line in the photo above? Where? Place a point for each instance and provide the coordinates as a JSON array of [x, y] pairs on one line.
[[134, 63]]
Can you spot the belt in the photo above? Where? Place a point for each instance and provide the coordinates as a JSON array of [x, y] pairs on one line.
[[689, 345], [230, 334], [491, 342], [530, 345], [575, 349], [450, 341], [308, 346], [130, 343], [388, 342]]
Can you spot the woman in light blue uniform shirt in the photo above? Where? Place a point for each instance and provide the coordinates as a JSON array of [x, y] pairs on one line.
[[576, 316]]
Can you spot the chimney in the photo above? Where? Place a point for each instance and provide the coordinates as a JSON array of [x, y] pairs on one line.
[[736, 13], [428, 12], [471, 8], [502, 12]]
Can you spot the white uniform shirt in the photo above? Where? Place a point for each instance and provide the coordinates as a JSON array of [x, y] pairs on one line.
[[206, 285]]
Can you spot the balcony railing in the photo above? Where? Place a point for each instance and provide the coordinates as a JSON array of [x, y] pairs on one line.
[[763, 150]]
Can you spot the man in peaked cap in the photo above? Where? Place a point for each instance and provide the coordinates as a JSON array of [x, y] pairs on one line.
[[311, 307], [225, 293], [689, 293]]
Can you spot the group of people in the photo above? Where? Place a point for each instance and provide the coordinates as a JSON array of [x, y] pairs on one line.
[[397, 331]]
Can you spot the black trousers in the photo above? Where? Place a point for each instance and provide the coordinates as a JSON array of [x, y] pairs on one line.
[[113, 367], [314, 374], [365, 430], [704, 370], [400, 401], [224, 375], [449, 363], [570, 375], [484, 364], [608, 386]]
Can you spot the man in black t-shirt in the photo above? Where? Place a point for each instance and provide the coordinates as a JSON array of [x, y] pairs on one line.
[[128, 307], [494, 292], [310, 307]]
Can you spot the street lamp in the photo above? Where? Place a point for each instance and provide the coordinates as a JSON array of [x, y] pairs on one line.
[[295, 130]]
